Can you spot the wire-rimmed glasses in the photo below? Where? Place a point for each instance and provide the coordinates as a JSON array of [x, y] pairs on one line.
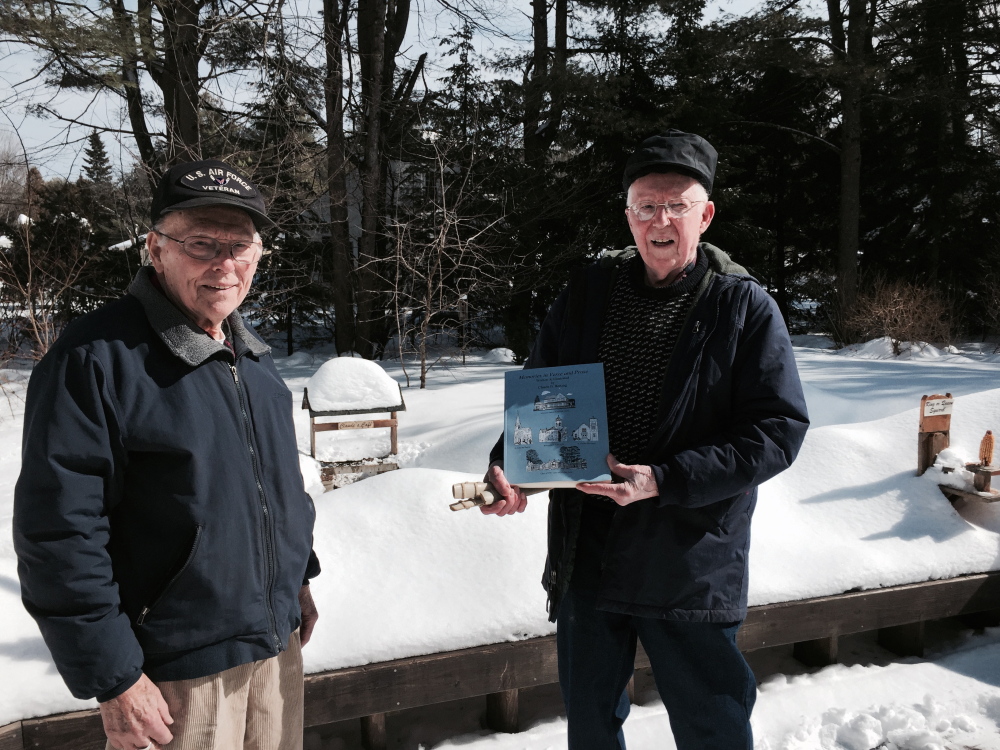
[[646, 210], [208, 248]]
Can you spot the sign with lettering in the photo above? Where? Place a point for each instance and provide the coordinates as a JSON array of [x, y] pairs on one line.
[[937, 407], [363, 425]]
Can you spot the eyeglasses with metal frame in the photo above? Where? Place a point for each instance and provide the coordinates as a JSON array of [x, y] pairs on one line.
[[209, 248], [646, 210]]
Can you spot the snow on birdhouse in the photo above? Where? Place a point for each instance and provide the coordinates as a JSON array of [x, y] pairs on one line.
[[346, 383]]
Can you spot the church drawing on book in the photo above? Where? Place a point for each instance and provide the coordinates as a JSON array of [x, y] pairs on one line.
[[559, 401], [554, 434], [587, 432], [522, 435]]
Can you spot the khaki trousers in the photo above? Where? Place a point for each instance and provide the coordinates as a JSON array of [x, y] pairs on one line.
[[256, 706]]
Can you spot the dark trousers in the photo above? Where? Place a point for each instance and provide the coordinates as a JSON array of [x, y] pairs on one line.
[[703, 679]]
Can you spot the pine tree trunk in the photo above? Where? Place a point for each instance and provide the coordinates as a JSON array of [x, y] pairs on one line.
[[339, 267], [850, 198], [371, 45], [852, 44]]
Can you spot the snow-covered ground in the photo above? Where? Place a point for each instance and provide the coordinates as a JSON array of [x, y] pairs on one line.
[[403, 575]]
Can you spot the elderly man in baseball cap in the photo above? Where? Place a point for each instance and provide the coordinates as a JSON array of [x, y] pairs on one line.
[[163, 533], [704, 404]]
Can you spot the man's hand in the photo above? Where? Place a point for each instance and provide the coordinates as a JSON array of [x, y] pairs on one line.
[[637, 483], [513, 497], [309, 614], [138, 718]]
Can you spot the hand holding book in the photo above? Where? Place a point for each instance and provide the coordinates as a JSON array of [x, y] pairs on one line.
[[632, 482]]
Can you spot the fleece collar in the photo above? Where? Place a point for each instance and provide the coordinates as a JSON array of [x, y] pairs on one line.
[[186, 340]]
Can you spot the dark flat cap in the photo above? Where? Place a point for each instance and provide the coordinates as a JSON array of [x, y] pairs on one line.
[[673, 151], [210, 182]]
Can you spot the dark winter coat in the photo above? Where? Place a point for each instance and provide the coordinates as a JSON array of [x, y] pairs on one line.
[[731, 416], [160, 518]]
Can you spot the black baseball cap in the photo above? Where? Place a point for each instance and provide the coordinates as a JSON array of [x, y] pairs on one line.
[[673, 151], [210, 182]]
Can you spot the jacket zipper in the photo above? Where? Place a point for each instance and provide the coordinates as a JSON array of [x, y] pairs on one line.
[[144, 613], [266, 530]]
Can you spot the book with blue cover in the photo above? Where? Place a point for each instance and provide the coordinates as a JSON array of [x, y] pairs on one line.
[[556, 426]]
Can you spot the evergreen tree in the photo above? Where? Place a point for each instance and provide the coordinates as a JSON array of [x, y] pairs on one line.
[[96, 164]]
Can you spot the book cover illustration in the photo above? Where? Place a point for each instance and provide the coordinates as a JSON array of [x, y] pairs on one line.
[[555, 426]]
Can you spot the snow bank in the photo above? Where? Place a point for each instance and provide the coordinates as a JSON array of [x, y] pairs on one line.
[[881, 348], [499, 355], [403, 575], [347, 383], [851, 512]]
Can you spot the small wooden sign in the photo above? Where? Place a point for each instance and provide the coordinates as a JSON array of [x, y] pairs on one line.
[[934, 434], [361, 425], [935, 413]]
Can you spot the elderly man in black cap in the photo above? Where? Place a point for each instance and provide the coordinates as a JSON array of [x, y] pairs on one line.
[[704, 404], [163, 533]]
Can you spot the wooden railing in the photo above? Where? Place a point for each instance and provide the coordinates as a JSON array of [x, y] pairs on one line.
[[498, 671]]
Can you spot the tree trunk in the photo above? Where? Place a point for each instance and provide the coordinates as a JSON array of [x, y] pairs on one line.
[[851, 46], [133, 93], [535, 82], [371, 46], [180, 82], [339, 268], [850, 198]]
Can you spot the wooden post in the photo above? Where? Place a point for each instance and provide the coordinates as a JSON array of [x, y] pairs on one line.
[[312, 437], [982, 478], [903, 640], [393, 447], [935, 429], [501, 711], [821, 652], [373, 732]]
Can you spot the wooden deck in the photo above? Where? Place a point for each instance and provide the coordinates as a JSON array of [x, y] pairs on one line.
[[498, 671]]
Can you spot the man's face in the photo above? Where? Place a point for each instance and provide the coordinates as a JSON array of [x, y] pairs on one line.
[[207, 291], [668, 245]]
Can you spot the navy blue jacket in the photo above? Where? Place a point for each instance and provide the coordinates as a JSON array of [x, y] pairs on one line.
[[160, 518], [731, 416]]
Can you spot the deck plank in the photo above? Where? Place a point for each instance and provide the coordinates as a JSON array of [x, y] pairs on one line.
[[11, 737], [862, 611], [423, 680], [80, 730]]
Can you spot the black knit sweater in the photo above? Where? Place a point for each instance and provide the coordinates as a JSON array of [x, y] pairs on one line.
[[640, 330], [641, 327]]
